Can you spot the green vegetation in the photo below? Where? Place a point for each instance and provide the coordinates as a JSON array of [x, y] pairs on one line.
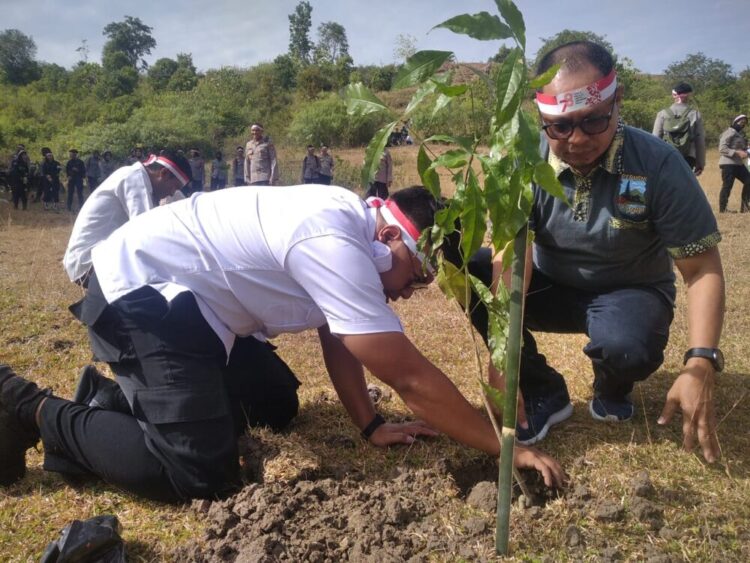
[[119, 100]]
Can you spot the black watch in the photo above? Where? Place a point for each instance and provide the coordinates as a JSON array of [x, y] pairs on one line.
[[713, 355]]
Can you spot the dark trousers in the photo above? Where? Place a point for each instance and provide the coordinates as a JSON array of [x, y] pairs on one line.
[[188, 403], [93, 183], [377, 189], [77, 185], [52, 190], [730, 172], [218, 183], [19, 195], [628, 330], [261, 183], [323, 179], [239, 181]]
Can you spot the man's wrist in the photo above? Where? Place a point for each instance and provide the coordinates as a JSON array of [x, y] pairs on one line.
[[374, 424]]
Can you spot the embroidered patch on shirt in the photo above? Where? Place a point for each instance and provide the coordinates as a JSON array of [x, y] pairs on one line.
[[631, 197]]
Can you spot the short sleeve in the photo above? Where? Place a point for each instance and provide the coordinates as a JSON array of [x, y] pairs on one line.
[[681, 214], [340, 277]]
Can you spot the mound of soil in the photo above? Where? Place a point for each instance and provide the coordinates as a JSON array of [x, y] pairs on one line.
[[334, 520]]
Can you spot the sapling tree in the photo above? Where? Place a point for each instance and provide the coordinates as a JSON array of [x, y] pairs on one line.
[[491, 199]]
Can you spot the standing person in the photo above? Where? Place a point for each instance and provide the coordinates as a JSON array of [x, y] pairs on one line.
[[310, 167], [136, 155], [93, 171], [603, 261], [174, 292], [51, 173], [326, 166], [261, 168], [18, 178], [681, 126], [218, 172], [383, 177], [198, 167], [106, 165], [129, 191], [238, 167], [75, 169], [732, 163]]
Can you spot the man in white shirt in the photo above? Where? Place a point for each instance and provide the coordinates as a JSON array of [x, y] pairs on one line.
[[129, 191], [176, 294]]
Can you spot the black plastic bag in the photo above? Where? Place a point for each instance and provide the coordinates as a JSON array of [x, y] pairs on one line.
[[96, 540]]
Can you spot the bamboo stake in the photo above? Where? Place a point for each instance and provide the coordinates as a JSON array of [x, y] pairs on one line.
[[512, 366]]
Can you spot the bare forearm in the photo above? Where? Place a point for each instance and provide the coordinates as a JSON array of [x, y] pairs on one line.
[[705, 301]]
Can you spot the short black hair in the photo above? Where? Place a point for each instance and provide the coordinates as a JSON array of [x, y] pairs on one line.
[[179, 160], [682, 88], [417, 203], [577, 55]]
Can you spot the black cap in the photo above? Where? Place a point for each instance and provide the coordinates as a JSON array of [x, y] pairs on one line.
[[682, 88]]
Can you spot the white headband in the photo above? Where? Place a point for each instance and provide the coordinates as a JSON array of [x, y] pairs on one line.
[[581, 98], [169, 165]]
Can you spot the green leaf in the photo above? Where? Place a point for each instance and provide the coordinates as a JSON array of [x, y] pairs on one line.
[[544, 176], [455, 158], [482, 26], [473, 216], [513, 17], [510, 82], [422, 92], [545, 78], [361, 101], [430, 178], [451, 90], [441, 103], [467, 143], [374, 152], [497, 309], [420, 66], [494, 395], [452, 282], [527, 139]]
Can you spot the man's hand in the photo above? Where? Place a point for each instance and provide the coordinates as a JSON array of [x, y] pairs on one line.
[[692, 392], [526, 457], [497, 380], [389, 434]]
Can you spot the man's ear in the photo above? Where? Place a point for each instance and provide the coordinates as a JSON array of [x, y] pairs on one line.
[[389, 233]]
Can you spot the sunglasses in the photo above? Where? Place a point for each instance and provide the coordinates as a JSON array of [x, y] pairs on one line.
[[596, 125]]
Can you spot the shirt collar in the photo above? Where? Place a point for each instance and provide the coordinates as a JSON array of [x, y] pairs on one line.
[[610, 162]]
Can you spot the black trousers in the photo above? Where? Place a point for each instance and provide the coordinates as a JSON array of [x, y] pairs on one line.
[[77, 185], [730, 172], [188, 403], [323, 179], [19, 195], [377, 189], [628, 330]]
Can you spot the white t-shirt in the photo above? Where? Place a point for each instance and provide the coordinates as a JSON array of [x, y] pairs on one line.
[[127, 192], [259, 260]]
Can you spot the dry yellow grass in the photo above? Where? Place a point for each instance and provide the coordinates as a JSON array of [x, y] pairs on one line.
[[706, 507]]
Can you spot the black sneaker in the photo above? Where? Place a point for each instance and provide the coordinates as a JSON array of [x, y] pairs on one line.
[[542, 413], [95, 390], [609, 410], [15, 438]]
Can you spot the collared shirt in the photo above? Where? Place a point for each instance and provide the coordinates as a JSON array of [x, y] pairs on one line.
[[260, 161], [261, 260], [326, 165], [127, 192], [628, 218]]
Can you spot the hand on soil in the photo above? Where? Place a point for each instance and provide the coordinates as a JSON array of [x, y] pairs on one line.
[[692, 393], [531, 458], [389, 433]]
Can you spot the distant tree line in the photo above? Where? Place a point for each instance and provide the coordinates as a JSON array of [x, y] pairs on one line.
[[122, 101]]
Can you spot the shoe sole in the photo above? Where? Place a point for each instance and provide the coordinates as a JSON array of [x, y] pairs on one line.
[[555, 418], [607, 418]]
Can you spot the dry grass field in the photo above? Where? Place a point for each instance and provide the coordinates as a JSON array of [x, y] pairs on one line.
[[706, 509]]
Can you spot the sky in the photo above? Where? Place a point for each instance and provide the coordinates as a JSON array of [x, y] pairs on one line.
[[652, 33]]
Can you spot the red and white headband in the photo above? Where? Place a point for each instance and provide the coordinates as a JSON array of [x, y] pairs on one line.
[[169, 165], [581, 98], [394, 216]]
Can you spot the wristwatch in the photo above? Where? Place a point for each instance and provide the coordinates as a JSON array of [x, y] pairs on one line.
[[713, 355]]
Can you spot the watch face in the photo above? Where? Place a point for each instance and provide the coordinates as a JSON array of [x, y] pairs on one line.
[[718, 359]]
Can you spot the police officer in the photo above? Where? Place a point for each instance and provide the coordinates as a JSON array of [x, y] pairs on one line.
[[261, 168], [76, 170]]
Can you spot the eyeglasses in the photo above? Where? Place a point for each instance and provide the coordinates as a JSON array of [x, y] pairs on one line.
[[589, 125]]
